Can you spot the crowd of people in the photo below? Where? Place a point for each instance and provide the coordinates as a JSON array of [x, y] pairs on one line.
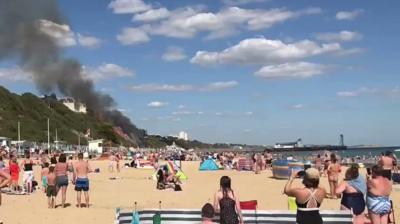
[[55, 176]]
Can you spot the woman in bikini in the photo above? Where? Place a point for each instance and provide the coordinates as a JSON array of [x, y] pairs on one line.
[[334, 170], [353, 190]]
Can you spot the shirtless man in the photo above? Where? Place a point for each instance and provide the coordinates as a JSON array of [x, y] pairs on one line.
[[387, 162], [81, 180]]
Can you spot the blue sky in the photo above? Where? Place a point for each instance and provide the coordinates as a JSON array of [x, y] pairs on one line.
[[240, 71]]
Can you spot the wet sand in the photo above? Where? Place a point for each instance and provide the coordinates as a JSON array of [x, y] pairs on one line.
[[134, 185]]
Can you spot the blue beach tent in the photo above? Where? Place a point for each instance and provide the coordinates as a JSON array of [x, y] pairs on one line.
[[208, 164]]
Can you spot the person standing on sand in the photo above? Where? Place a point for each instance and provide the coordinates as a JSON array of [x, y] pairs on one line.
[[378, 201], [318, 163], [5, 179], [387, 162], [111, 164], [27, 166], [81, 180], [51, 190], [14, 172], [43, 175], [227, 203], [333, 175], [61, 171], [308, 199]]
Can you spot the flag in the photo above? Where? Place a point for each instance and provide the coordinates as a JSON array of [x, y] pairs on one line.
[[157, 218]]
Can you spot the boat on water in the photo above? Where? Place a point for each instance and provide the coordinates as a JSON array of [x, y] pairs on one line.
[[299, 146]]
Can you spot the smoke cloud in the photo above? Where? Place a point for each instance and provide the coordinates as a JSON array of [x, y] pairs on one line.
[[22, 39]]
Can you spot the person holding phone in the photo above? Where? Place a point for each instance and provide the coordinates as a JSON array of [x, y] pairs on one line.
[[309, 198]]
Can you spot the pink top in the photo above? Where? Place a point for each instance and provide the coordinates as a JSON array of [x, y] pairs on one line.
[[61, 169]]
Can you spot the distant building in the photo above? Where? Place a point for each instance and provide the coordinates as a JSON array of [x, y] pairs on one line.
[[183, 135], [4, 141], [289, 145], [96, 146], [74, 105]]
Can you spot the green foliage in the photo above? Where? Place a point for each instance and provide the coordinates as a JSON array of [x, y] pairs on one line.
[[32, 112]]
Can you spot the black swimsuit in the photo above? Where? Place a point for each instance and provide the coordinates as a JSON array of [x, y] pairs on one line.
[[306, 215], [354, 201], [228, 213]]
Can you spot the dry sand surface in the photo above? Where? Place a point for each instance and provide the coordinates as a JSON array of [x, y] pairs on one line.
[[134, 185]]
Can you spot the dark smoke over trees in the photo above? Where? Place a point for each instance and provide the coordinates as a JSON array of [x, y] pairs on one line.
[[36, 52]]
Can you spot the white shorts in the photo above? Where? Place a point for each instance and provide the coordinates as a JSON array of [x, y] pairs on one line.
[[28, 176]]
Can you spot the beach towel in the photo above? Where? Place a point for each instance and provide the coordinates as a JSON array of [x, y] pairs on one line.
[[359, 184], [157, 218], [135, 218]]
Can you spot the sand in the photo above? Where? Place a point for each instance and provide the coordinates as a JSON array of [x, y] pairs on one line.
[[134, 185]]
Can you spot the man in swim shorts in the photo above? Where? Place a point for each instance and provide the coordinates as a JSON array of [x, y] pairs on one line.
[[81, 179]]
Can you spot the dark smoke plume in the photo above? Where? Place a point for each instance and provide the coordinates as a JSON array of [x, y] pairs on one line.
[[21, 38]]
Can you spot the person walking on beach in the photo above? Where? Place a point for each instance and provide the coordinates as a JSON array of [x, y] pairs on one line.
[[51, 190], [318, 163], [5, 179], [61, 171], [309, 198], [333, 175], [81, 180], [353, 190], [27, 166], [43, 175], [227, 203], [378, 201]]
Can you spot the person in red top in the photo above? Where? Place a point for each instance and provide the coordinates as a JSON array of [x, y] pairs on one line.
[[14, 172]]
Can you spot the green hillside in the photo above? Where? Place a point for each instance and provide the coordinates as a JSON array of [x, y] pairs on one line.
[[32, 113]]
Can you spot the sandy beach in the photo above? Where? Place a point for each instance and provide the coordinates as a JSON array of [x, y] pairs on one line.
[[134, 185]]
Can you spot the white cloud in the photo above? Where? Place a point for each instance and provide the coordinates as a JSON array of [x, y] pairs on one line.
[[249, 113], [64, 36], [290, 71], [348, 15], [185, 112], [190, 21], [161, 88], [174, 54], [218, 86], [341, 36], [132, 36], [128, 6], [15, 74], [200, 112], [214, 86], [247, 130], [107, 71], [242, 2], [360, 91], [61, 33], [218, 114], [297, 106], [181, 106], [88, 41], [351, 51], [262, 51], [157, 104], [152, 15]]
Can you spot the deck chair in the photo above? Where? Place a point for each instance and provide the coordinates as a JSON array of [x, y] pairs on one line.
[[391, 214], [249, 205]]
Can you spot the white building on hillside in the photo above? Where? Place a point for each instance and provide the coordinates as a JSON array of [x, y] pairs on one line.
[[74, 105], [183, 135], [96, 146]]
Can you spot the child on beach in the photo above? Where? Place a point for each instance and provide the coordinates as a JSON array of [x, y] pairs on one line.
[[43, 175], [51, 190], [14, 173]]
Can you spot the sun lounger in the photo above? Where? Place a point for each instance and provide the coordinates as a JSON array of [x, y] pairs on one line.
[[187, 216]]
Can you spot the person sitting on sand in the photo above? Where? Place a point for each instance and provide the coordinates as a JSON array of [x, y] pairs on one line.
[[308, 199], [51, 190], [353, 190], [378, 201], [333, 175], [227, 203], [5, 179], [81, 180], [207, 214]]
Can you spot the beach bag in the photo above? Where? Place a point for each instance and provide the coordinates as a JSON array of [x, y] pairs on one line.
[[157, 218]]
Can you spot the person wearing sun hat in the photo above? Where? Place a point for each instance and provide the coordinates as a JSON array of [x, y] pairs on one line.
[[308, 198]]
